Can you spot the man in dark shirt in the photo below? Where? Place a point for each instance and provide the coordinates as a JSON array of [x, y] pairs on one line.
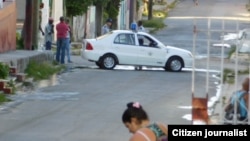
[[62, 30]]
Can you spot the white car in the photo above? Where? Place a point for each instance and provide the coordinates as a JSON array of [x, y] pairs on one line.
[[126, 47], [244, 41], [240, 39]]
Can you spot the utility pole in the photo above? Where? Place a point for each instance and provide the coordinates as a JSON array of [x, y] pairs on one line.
[[28, 25], [132, 11], [150, 9], [35, 16]]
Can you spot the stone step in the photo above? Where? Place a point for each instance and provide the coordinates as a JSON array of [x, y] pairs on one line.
[[8, 90], [13, 71]]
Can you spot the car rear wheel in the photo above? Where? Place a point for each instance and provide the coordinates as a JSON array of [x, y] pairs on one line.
[[108, 62], [174, 64]]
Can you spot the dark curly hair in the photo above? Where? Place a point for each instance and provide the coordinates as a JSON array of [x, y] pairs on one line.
[[134, 110]]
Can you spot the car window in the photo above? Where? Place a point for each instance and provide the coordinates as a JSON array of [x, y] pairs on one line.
[[146, 41], [127, 39]]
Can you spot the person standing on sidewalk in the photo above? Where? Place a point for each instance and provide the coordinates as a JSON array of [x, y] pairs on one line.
[[68, 44], [49, 32], [40, 18], [62, 30], [140, 26], [106, 27]]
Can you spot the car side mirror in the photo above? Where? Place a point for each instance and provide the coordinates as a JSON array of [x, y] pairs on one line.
[[153, 44]]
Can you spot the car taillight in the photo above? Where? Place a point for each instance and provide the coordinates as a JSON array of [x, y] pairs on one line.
[[89, 46]]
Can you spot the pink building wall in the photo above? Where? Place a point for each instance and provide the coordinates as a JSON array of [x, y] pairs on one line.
[[8, 27]]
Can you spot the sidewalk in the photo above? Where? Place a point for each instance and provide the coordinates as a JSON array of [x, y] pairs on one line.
[[226, 89], [21, 58]]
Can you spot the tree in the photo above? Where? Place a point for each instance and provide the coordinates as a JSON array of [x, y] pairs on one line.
[[150, 9], [100, 4], [28, 26], [112, 10], [77, 7]]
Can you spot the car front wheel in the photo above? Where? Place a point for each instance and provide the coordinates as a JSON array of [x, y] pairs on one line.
[[108, 62], [98, 64], [174, 64]]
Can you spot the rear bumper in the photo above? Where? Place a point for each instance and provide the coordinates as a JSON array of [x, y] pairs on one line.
[[90, 56]]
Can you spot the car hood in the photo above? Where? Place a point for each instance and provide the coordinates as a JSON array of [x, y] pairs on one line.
[[174, 49]]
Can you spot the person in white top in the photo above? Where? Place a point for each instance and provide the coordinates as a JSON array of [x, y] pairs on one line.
[[68, 44], [140, 26], [49, 33]]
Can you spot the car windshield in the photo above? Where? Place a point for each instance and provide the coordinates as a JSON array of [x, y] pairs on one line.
[[246, 35]]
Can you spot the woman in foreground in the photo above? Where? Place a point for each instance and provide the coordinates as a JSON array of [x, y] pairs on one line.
[[137, 121]]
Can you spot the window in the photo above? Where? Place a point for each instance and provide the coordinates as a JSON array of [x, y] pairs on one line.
[[127, 39], [146, 41]]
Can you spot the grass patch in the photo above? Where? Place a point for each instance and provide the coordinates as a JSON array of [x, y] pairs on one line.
[[229, 75], [172, 5], [3, 98], [232, 51], [4, 70], [40, 71], [155, 24]]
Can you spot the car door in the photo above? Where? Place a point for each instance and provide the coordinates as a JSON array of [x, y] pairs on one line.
[[150, 53], [126, 49]]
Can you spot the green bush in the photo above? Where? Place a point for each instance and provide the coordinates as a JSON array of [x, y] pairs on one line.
[[157, 23], [232, 51], [40, 71], [19, 41], [3, 98], [4, 71]]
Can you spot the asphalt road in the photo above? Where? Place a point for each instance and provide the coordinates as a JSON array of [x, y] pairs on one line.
[[86, 103], [212, 19]]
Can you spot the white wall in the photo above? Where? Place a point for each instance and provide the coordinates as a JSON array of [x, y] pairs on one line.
[[57, 12], [78, 27], [45, 16], [92, 30]]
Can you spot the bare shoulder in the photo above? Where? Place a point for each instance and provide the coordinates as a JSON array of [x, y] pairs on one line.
[[137, 137]]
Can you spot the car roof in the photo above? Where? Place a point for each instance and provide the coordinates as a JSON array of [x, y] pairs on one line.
[[127, 31]]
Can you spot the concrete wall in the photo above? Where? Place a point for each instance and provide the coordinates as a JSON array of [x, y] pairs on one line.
[[20, 7], [8, 27]]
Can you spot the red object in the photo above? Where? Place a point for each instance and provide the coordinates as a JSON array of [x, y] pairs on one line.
[[62, 29], [2, 85], [13, 70], [7, 90], [199, 109], [89, 46]]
